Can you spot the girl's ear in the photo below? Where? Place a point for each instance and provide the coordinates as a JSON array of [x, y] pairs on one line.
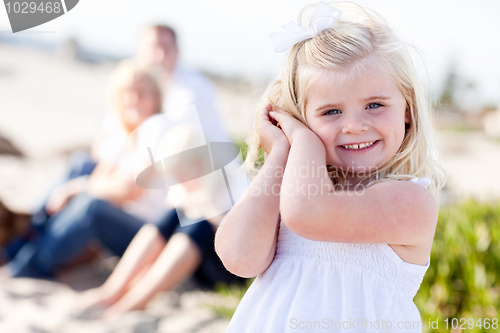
[[407, 121], [407, 116]]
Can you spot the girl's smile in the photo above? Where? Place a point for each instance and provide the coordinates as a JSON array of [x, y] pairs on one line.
[[359, 117], [357, 147]]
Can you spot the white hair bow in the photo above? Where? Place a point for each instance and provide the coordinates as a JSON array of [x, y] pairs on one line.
[[324, 17]]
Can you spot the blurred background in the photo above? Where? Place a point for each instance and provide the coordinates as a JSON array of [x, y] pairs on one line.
[[53, 81]]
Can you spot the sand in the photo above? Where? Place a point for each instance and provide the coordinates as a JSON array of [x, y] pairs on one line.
[[28, 305]]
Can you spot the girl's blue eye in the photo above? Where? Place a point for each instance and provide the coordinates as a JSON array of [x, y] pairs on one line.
[[332, 112], [374, 105]]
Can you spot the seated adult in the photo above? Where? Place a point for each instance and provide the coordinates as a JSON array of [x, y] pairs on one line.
[[181, 86], [163, 255], [73, 211]]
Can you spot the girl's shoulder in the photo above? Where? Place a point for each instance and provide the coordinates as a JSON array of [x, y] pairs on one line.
[[407, 187], [425, 183]]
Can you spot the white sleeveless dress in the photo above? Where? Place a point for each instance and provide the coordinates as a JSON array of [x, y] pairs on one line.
[[316, 286]]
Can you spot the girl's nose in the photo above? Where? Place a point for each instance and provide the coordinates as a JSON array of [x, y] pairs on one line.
[[354, 124]]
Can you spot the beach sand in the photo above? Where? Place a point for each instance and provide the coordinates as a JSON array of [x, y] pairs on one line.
[[29, 305]]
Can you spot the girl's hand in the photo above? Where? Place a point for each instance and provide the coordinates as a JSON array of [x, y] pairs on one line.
[[270, 135], [289, 124]]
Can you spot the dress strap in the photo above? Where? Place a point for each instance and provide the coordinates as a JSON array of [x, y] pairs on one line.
[[422, 181]]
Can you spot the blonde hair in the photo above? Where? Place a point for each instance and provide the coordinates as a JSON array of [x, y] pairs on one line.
[[358, 34], [126, 73]]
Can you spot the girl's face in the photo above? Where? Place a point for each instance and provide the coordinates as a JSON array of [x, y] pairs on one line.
[[138, 102], [360, 117]]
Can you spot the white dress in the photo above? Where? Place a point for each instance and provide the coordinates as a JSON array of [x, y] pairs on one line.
[[316, 286]]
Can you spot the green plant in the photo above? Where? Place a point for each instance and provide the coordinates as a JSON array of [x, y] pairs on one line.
[[463, 277], [229, 298], [243, 149]]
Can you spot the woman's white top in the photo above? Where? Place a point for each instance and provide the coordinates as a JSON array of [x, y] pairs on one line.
[[314, 286], [112, 148]]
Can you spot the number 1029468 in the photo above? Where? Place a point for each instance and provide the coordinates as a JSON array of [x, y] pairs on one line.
[[470, 323], [33, 7]]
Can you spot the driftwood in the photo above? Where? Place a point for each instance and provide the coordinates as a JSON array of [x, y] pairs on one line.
[[8, 148]]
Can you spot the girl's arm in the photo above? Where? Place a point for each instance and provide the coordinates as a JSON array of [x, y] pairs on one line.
[[393, 212], [246, 238]]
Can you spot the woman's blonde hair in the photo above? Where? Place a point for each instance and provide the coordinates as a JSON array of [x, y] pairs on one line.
[[126, 73], [358, 34]]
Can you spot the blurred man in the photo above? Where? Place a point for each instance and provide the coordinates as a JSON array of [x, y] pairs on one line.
[[182, 87]]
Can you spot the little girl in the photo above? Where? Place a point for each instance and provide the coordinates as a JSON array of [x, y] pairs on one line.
[[338, 222]]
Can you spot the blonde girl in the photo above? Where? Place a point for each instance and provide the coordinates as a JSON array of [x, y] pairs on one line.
[[339, 220]]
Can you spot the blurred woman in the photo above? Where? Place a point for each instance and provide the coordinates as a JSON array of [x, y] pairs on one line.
[[107, 202]]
